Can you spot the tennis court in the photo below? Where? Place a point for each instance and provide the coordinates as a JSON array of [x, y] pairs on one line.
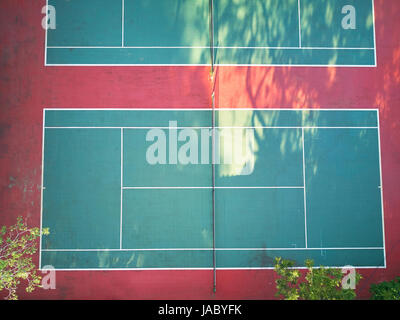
[[198, 32], [314, 190]]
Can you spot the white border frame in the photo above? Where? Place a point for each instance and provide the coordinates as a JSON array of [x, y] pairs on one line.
[[208, 47], [210, 249]]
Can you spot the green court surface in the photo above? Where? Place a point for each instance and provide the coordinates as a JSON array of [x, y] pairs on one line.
[[314, 190], [241, 32]]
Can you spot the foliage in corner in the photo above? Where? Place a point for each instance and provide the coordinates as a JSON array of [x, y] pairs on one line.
[[318, 284], [386, 290], [17, 245], [288, 283]]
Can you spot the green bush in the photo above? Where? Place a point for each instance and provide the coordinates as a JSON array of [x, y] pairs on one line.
[[17, 246], [386, 290], [319, 283]]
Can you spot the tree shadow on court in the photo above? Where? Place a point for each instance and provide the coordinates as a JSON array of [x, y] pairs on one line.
[[266, 32], [173, 23], [384, 93], [294, 87], [275, 24]]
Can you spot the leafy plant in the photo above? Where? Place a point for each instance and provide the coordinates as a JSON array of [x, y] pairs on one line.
[[288, 283], [386, 290], [318, 284], [17, 245]]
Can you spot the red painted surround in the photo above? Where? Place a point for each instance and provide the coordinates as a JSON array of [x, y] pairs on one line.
[[26, 87]]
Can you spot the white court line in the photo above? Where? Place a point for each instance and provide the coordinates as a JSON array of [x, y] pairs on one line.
[[282, 65], [293, 127], [164, 127], [299, 20], [381, 188], [271, 187], [373, 25], [209, 109], [123, 23], [41, 192], [130, 269], [122, 183], [259, 127], [45, 35], [304, 185], [128, 47], [208, 47], [211, 249], [206, 65], [296, 268], [297, 48], [201, 269]]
